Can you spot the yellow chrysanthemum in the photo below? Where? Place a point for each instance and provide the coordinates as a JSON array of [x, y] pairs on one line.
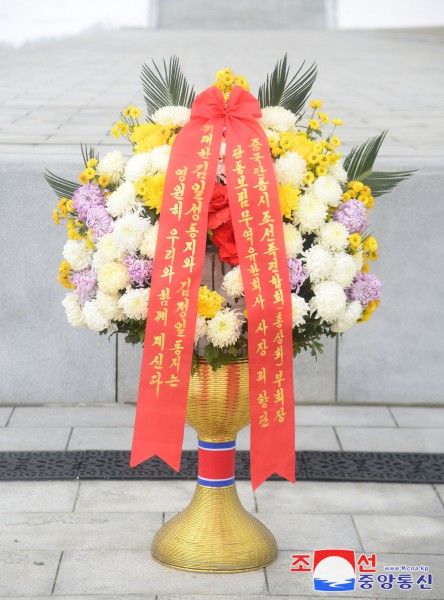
[[55, 216], [314, 124], [337, 122], [288, 199], [152, 186], [371, 244], [321, 171], [242, 82], [135, 112], [90, 173], [92, 162], [356, 186], [148, 136], [309, 178], [69, 206], [335, 141], [323, 117], [316, 104], [103, 180], [354, 241], [208, 303], [368, 201], [83, 178]]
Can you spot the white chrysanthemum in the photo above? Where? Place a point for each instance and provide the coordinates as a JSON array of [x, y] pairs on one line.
[[172, 115], [310, 214], [351, 314], [108, 304], [128, 232], [343, 270], [138, 166], [94, 319], [73, 310], [359, 260], [293, 240], [113, 165], [201, 328], [328, 301], [333, 236], [77, 253], [134, 303], [318, 262], [290, 169], [106, 251], [299, 310], [232, 283], [224, 329], [160, 157], [338, 172], [149, 240], [328, 190], [112, 277], [122, 201], [277, 118]]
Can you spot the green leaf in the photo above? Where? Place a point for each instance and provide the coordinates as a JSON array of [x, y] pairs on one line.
[[88, 153], [63, 188], [359, 166], [292, 94], [169, 88]]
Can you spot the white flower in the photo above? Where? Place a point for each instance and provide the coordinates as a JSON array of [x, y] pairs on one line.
[[328, 190], [290, 169], [77, 253], [343, 270], [348, 318], [113, 165], [106, 251], [293, 240], [122, 201], [299, 309], [112, 277], [134, 303], [201, 328], [172, 115], [160, 157], [333, 236], [329, 301], [73, 310], [232, 283], [318, 262], [138, 166], [359, 260], [338, 172], [108, 304], [277, 118], [128, 232], [94, 319], [149, 240], [310, 214], [224, 329], [271, 134]]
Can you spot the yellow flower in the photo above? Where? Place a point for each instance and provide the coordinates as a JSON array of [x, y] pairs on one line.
[[288, 199], [103, 180], [371, 244], [337, 122], [242, 82], [208, 303], [316, 104], [89, 243], [364, 317], [64, 267], [321, 170], [335, 141], [154, 191], [313, 157], [223, 72], [368, 201], [365, 267], [309, 178], [324, 159], [147, 136], [313, 124], [172, 138], [92, 162], [323, 117], [127, 111], [373, 255], [135, 112], [63, 276], [354, 240], [356, 186], [55, 216], [366, 190], [90, 173], [115, 131], [346, 196], [83, 178]]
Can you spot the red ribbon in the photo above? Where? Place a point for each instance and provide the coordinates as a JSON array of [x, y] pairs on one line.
[[178, 264]]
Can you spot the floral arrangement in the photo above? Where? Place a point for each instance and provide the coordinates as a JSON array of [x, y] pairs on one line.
[[112, 218]]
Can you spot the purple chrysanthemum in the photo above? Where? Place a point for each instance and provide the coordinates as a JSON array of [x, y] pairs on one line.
[[297, 273], [352, 215], [86, 284], [364, 288], [86, 197], [139, 270], [99, 220]]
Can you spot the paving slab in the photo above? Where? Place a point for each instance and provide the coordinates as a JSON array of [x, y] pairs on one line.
[[101, 438], [5, 413], [37, 496], [127, 572], [27, 573], [349, 497], [73, 416], [386, 439], [407, 416], [351, 416], [33, 438], [409, 534]]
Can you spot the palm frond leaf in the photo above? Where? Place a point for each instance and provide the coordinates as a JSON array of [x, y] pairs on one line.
[[63, 188], [167, 88], [88, 153], [359, 166], [292, 94]]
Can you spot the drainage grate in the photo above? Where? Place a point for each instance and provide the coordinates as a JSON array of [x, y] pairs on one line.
[[312, 466]]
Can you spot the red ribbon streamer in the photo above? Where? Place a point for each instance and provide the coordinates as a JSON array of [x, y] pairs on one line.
[[178, 264]]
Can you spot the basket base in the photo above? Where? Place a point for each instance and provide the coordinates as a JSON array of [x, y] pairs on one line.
[[214, 534]]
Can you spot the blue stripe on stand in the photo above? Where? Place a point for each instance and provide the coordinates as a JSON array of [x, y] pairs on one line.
[[217, 483], [217, 445]]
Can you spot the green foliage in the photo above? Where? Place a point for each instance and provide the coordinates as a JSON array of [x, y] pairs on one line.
[[216, 357], [169, 88], [308, 337], [63, 188], [88, 153], [359, 166], [292, 94], [134, 331]]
